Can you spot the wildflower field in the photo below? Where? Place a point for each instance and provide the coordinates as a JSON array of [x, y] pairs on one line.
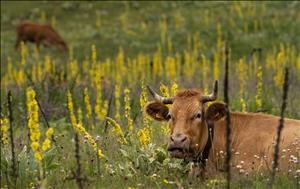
[[77, 118]]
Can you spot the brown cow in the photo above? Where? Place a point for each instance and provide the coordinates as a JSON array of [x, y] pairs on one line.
[[39, 33], [252, 134]]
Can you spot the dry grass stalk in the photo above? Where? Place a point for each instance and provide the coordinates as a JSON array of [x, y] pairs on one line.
[[280, 126], [228, 130]]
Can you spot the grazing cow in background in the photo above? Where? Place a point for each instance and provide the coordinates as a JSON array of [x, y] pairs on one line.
[[198, 133], [39, 34]]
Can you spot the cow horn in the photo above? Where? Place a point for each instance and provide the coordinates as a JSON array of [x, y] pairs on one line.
[[164, 100], [213, 96]]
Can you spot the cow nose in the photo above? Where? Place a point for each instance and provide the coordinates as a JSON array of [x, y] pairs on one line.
[[178, 138]]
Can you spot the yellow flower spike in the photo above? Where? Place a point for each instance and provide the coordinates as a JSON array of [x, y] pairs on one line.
[[117, 130], [49, 132], [24, 53], [128, 109], [163, 26], [100, 154], [143, 96], [174, 89], [157, 63], [164, 90], [144, 136], [117, 102], [71, 109], [33, 122], [78, 127], [79, 114], [258, 95], [242, 70], [171, 67], [4, 124], [94, 54], [88, 106], [98, 19]]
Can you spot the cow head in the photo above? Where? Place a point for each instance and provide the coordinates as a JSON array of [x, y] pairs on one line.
[[188, 116], [63, 46]]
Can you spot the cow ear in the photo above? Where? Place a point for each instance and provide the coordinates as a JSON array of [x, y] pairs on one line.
[[157, 111], [215, 111]]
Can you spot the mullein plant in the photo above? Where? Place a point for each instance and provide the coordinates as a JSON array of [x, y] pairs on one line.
[[120, 66], [117, 130], [166, 93], [33, 123], [258, 96], [144, 134], [205, 70], [171, 67], [157, 69], [53, 21], [117, 102], [242, 75], [280, 63], [174, 89], [78, 127], [37, 146], [89, 111], [24, 53], [101, 106], [218, 52], [163, 27], [164, 90], [98, 19], [4, 130], [128, 109], [298, 62]]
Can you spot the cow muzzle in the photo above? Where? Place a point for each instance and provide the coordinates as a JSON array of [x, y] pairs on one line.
[[179, 146]]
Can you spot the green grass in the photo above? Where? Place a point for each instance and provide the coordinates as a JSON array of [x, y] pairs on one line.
[[278, 23]]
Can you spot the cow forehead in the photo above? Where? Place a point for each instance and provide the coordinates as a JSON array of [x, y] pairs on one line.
[[186, 106]]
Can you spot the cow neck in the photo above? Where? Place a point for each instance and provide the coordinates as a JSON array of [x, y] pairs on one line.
[[203, 156]]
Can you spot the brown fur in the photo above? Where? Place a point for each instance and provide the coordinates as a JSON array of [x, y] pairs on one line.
[[253, 134], [39, 34]]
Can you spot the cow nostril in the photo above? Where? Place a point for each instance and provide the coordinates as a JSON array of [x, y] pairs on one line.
[[172, 139], [184, 139]]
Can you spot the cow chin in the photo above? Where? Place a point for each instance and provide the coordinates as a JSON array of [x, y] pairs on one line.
[[180, 153]]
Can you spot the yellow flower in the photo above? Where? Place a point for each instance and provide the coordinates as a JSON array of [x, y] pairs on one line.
[[144, 136], [87, 105], [174, 89], [164, 90], [4, 130], [49, 132], [46, 145], [143, 96], [258, 99], [117, 130], [35, 146], [38, 156], [100, 154], [71, 109], [117, 102], [35, 136], [78, 127], [127, 109]]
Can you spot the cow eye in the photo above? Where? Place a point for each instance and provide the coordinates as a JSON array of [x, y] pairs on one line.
[[169, 116], [198, 115]]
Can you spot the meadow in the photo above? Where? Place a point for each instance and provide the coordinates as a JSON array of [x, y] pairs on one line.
[[85, 107]]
